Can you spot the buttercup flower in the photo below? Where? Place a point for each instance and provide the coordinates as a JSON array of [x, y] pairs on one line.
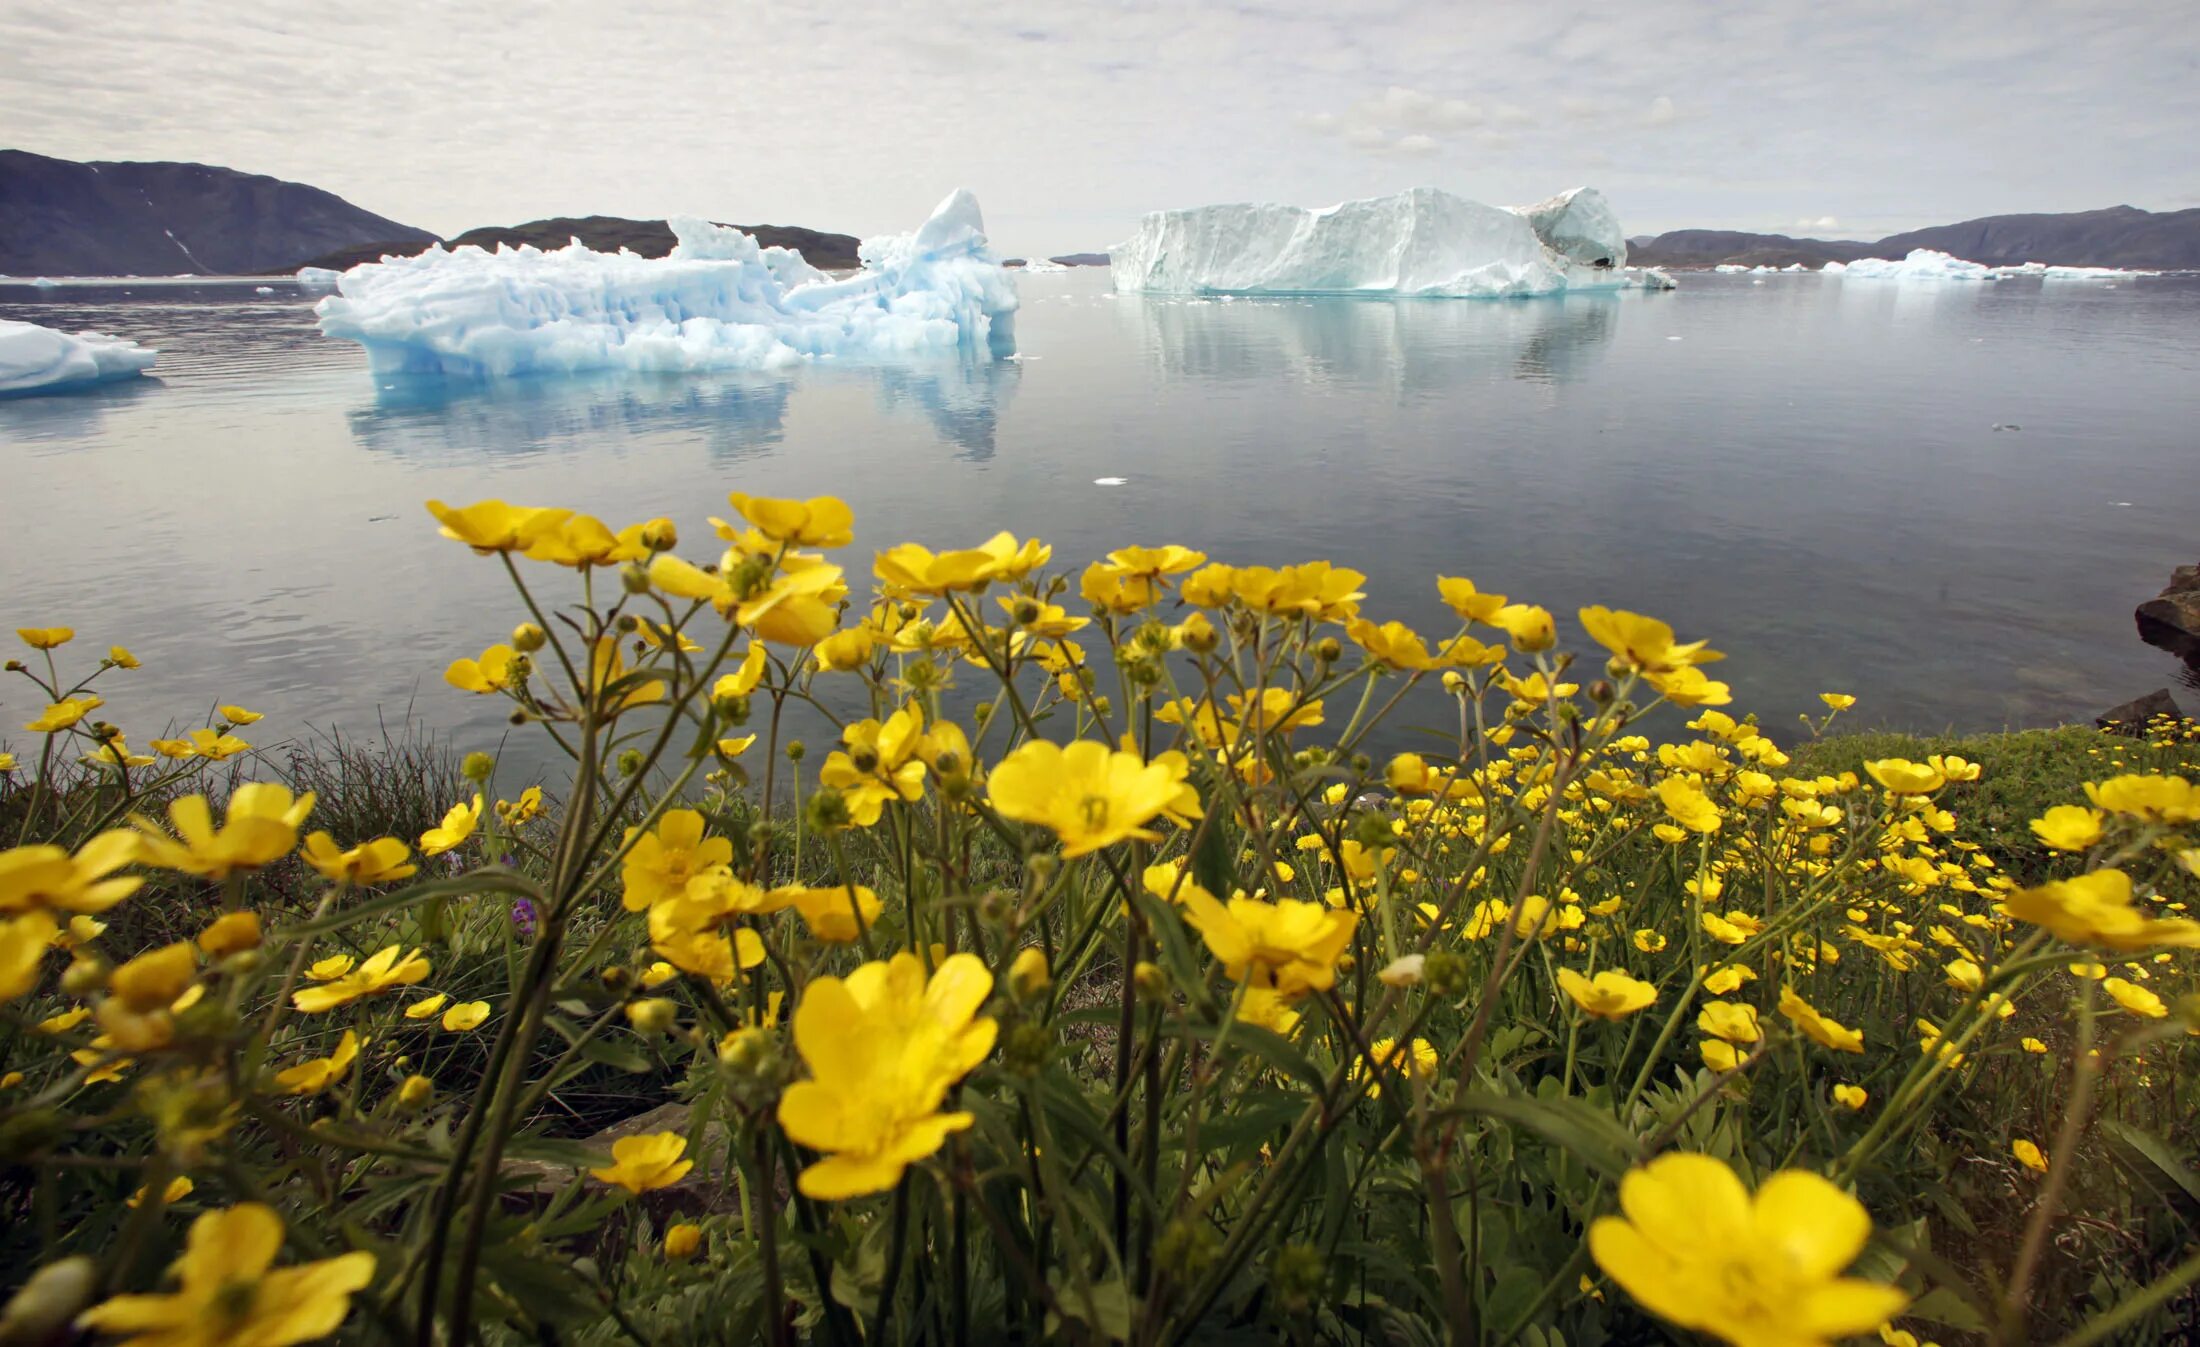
[[1823, 1031], [1850, 1097], [1688, 805], [458, 824], [820, 521], [2028, 1155], [1642, 642], [317, 1074], [1902, 777], [2153, 799], [1734, 1022], [1696, 1249], [46, 638], [2096, 909], [231, 1295], [24, 941], [1090, 796], [466, 1015], [883, 1045], [260, 826], [831, 912], [2134, 998], [377, 862], [1610, 995], [642, 1164], [492, 672], [47, 877], [492, 526], [381, 972], [2069, 827], [63, 714], [660, 862], [1289, 945]]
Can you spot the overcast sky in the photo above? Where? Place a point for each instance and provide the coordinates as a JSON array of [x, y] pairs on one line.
[[1071, 117]]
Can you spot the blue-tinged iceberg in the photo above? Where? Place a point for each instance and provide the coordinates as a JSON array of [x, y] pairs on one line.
[[36, 359], [719, 301], [1422, 242], [1922, 264]]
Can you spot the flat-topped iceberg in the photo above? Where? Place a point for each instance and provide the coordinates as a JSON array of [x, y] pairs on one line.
[[36, 359], [719, 301], [1923, 264], [1422, 242]]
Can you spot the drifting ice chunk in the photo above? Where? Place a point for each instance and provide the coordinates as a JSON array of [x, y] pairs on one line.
[[36, 359], [718, 302], [319, 276], [2043, 271], [1419, 242], [1923, 264]]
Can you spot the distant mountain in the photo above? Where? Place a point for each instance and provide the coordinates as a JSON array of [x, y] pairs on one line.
[[59, 217], [603, 233], [2121, 236]]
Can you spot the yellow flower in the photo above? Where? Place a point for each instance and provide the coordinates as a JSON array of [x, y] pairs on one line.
[[1642, 642], [1529, 627], [46, 638], [1902, 777], [230, 1295], [2028, 1155], [2068, 827], [465, 1015], [830, 912], [2136, 999], [121, 657], [1850, 1097], [1689, 687], [911, 569], [1027, 972], [820, 521], [316, 1075], [583, 540], [382, 971], [63, 714], [230, 933], [1610, 995], [2033, 1045], [683, 1241], [334, 966], [200, 743], [644, 1163], [178, 1188], [1650, 941], [43, 876], [492, 672], [426, 1007], [1393, 644], [1730, 1020], [883, 1046], [1688, 805], [1823, 1031], [237, 715], [23, 944], [659, 863], [1460, 595], [523, 810], [1696, 1249], [1089, 795], [1839, 701], [745, 677], [2155, 799], [377, 862], [690, 929], [1416, 1060], [260, 826], [2096, 909], [492, 526], [1290, 946], [458, 824]]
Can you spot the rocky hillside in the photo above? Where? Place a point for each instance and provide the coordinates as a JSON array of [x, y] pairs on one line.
[[2120, 236], [604, 233], [60, 217]]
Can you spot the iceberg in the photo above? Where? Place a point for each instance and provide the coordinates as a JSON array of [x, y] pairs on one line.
[[1923, 264], [36, 359], [719, 301], [1422, 242], [2043, 271], [323, 277]]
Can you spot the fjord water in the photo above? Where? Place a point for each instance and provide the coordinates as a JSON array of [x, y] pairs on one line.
[[1943, 498]]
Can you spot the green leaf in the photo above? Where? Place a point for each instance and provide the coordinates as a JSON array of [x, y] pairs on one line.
[[2153, 1166], [1573, 1125]]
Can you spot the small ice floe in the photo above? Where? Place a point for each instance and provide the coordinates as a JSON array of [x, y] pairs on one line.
[[2007, 425], [1672, 338], [1018, 356], [2121, 504], [263, 289], [1110, 481]]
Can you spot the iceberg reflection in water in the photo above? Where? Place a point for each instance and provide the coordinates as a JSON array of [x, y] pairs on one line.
[[734, 415], [1412, 346]]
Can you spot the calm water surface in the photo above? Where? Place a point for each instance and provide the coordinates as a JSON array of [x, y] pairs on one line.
[[1808, 471]]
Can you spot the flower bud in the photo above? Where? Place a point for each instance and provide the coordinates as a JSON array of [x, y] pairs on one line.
[[1153, 984], [1446, 974], [87, 974], [633, 578], [630, 762], [827, 810], [683, 1241], [1297, 1275], [652, 1015], [1026, 610], [477, 767], [231, 932], [415, 1092], [747, 1052], [796, 750], [1601, 692], [616, 978], [1025, 1051], [528, 638], [41, 1311], [1041, 867], [1027, 973], [1187, 1246], [1328, 650], [981, 713], [660, 535], [1405, 971]]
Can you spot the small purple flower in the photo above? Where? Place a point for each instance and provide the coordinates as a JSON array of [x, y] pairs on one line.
[[523, 918]]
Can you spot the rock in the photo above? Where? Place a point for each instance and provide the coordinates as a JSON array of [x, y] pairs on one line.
[[2132, 717], [2171, 619]]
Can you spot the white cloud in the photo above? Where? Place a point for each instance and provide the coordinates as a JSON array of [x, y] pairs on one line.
[[1818, 222], [1397, 121], [1661, 112]]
